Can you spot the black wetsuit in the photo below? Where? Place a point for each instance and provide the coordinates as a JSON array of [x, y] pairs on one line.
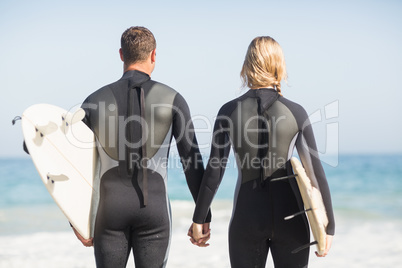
[[134, 120], [263, 129]]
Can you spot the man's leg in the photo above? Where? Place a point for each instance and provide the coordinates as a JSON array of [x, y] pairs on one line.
[[112, 249]]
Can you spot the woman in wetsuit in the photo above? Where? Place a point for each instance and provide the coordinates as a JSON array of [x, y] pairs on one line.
[[263, 127]]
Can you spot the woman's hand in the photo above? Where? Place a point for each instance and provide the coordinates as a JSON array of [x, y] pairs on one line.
[[86, 242], [199, 234], [328, 243]]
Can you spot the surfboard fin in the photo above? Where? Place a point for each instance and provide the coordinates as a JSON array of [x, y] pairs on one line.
[[52, 178], [47, 129], [284, 178], [304, 247], [42, 131], [297, 214], [69, 119]]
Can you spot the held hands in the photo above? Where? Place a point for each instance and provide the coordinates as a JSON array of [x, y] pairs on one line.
[[86, 242], [328, 243], [199, 234]]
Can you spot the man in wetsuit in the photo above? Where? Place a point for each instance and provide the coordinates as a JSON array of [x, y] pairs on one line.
[[134, 120]]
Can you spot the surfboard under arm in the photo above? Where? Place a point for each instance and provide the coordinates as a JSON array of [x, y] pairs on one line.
[[313, 204]]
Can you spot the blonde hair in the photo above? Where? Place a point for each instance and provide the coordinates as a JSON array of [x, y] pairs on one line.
[[264, 64]]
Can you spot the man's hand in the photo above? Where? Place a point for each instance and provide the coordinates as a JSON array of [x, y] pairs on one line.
[[86, 242], [328, 243], [199, 234]]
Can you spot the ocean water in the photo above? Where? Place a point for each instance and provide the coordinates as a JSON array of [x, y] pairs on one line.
[[362, 185], [366, 194]]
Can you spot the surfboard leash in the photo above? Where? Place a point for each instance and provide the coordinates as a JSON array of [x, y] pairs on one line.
[[17, 118]]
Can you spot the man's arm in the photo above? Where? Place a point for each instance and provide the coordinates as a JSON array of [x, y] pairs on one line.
[[187, 145]]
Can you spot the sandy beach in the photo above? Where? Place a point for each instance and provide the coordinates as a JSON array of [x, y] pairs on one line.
[[360, 241]]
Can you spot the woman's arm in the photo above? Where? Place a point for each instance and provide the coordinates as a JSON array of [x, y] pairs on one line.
[[308, 153]]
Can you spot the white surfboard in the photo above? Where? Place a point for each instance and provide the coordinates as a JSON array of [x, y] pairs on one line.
[[313, 204], [63, 150]]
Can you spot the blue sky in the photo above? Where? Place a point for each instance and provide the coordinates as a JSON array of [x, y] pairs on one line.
[[344, 59]]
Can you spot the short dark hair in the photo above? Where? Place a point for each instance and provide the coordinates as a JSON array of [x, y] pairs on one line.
[[136, 44]]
